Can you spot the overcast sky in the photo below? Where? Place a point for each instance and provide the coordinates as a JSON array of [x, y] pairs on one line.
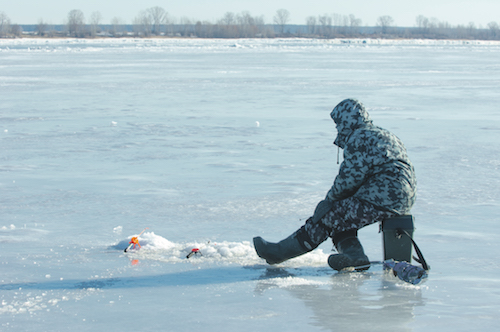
[[404, 12]]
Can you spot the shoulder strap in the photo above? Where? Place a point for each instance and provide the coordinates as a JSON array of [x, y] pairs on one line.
[[420, 258]]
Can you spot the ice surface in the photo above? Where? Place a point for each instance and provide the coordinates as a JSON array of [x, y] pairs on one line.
[[209, 143]]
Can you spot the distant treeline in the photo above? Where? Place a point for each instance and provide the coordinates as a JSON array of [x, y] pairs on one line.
[[155, 22]]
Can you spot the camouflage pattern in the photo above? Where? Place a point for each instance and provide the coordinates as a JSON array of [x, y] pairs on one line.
[[347, 214], [376, 168], [376, 179]]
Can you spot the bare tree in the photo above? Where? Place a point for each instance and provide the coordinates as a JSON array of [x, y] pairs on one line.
[[95, 21], [311, 24], [76, 23], [471, 29], [41, 28], [433, 25], [422, 23], [281, 18], [354, 22], [245, 18], [117, 27], [186, 25], [326, 25], [385, 22], [228, 19], [169, 25], [157, 17], [494, 28], [166, 19], [246, 24], [444, 28], [336, 19], [4, 24], [227, 26], [16, 30], [260, 26], [204, 29], [143, 24]]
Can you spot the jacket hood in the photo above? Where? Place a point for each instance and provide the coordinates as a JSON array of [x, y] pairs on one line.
[[349, 115]]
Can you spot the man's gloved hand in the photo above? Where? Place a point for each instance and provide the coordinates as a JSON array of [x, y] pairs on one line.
[[322, 208]]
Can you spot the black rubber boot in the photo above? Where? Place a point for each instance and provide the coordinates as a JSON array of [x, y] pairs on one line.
[[351, 254], [275, 253]]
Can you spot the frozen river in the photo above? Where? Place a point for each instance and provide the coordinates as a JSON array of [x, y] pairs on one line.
[[209, 143]]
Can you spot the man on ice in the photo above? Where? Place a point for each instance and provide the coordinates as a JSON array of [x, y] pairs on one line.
[[376, 181]]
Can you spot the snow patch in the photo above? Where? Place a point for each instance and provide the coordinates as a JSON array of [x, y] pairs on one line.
[[156, 247], [4, 228]]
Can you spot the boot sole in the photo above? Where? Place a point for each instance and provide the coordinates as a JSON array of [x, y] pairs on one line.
[[359, 268], [339, 262]]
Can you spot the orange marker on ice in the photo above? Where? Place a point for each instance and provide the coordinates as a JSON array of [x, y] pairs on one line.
[[194, 251], [134, 241]]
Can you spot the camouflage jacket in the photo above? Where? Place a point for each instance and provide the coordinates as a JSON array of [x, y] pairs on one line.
[[376, 168]]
